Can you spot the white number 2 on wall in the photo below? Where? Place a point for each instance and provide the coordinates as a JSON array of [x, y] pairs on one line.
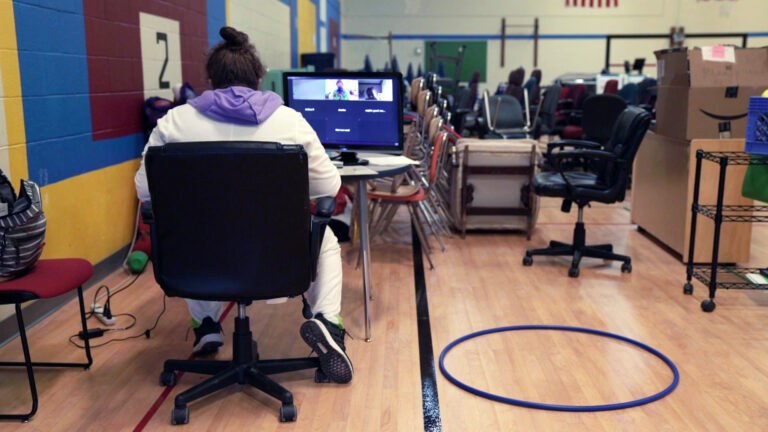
[[160, 55]]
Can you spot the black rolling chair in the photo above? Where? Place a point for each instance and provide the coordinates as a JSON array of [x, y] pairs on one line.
[[607, 185], [502, 117], [231, 222]]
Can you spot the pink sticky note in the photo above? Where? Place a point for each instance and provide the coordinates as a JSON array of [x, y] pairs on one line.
[[718, 51]]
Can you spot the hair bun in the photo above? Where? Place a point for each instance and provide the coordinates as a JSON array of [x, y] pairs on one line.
[[234, 37]]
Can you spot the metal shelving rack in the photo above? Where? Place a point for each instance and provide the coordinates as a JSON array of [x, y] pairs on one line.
[[716, 275]]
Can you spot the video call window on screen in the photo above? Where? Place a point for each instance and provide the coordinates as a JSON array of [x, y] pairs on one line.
[[350, 111], [342, 89]]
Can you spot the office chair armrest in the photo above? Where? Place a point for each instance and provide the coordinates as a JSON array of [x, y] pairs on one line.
[[575, 143], [561, 145], [585, 154], [146, 212], [324, 208], [582, 155]]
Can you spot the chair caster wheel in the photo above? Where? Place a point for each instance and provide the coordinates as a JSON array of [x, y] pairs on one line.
[[527, 261], [168, 379], [708, 305], [626, 267], [288, 413], [180, 415], [688, 288], [573, 272], [321, 377]]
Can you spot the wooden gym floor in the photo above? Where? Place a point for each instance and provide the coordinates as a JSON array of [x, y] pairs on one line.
[[478, 283]]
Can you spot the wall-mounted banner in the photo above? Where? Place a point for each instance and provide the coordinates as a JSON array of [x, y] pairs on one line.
[[592, 3]]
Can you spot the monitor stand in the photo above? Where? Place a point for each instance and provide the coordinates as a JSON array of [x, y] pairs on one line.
[[350, 158]]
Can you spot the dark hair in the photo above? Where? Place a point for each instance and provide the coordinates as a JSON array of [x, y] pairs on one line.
[[234, 62]]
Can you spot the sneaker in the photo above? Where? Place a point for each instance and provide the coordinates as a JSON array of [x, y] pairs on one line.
[[327, 340], [207, 337]]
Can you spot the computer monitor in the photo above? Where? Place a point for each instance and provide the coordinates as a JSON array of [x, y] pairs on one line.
[[639, 65], [350, 111]]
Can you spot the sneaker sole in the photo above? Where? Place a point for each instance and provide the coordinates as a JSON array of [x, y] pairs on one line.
[[208, 344], [333, 360]]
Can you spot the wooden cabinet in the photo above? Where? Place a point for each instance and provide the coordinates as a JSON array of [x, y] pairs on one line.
[[662, 195]]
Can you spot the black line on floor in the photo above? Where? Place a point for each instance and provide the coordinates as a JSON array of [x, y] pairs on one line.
[[430, 402]]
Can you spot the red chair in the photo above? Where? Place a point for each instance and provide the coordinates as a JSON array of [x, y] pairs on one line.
[[611, 87], [49, 278]]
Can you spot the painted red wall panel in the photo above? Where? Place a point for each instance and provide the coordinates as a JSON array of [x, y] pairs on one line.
[[113, 46]]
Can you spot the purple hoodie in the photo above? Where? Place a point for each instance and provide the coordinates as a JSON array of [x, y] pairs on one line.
[[240, 105]]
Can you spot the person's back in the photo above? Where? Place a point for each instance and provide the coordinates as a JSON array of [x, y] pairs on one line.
[[235, 110]]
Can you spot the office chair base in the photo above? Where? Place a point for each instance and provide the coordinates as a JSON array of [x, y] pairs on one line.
[[579, 250], [244, 368]]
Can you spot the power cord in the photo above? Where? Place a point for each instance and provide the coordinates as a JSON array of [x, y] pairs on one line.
[[98, 332]]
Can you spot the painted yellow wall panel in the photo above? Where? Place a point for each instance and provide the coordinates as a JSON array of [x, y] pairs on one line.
[[91, 215], [8, 35], [306, 19], [10, 95]]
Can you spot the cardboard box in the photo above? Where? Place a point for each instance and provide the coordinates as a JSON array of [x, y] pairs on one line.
[[704, 93]]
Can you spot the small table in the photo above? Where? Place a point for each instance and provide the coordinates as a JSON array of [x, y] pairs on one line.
[[349, 176]]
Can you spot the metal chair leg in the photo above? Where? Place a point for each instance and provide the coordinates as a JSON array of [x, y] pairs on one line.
[[421, 235], [30, 373]]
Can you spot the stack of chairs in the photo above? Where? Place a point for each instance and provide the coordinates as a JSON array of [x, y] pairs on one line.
[[425, 189]]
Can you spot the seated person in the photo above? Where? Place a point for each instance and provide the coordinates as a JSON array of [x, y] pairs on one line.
[[340, 93], [370, 94], [236, 110]]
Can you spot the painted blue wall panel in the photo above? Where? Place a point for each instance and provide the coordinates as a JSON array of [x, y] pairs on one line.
[[74, 6], [62, 158], [52, 74], [48, 30], [217, 18], [50, 117]]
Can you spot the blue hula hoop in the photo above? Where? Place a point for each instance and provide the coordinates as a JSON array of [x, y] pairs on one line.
[[556, 407]]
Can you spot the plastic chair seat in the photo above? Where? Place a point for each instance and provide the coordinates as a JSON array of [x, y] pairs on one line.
[[48, 278]]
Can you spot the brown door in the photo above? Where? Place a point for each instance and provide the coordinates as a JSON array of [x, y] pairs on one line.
[[333, 30]]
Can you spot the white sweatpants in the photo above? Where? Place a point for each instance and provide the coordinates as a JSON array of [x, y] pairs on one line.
[[323, 295]]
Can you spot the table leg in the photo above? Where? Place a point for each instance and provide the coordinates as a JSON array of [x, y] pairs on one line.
[[362, 202]]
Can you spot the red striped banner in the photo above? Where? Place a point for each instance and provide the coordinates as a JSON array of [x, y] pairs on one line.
[[592, 3]]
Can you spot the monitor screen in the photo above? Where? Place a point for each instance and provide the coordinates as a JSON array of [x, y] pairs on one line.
[[350, 111]]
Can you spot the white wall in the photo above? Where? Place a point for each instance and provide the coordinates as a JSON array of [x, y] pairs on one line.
[[556, 56], [268, 25]]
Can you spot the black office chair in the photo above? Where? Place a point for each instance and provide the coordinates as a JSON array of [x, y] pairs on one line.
[[231, 222], [607, 185], [598, 115], [502, 117], [546, 115]]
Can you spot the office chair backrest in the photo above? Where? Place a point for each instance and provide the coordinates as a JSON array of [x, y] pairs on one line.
[[515, 84], [505, 112], [599, 113], [231, 220], [647, 91], [630, 93], [548, 110], [628, 133], [577, 93], [611, 87], [536, 93], [464, 99]]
